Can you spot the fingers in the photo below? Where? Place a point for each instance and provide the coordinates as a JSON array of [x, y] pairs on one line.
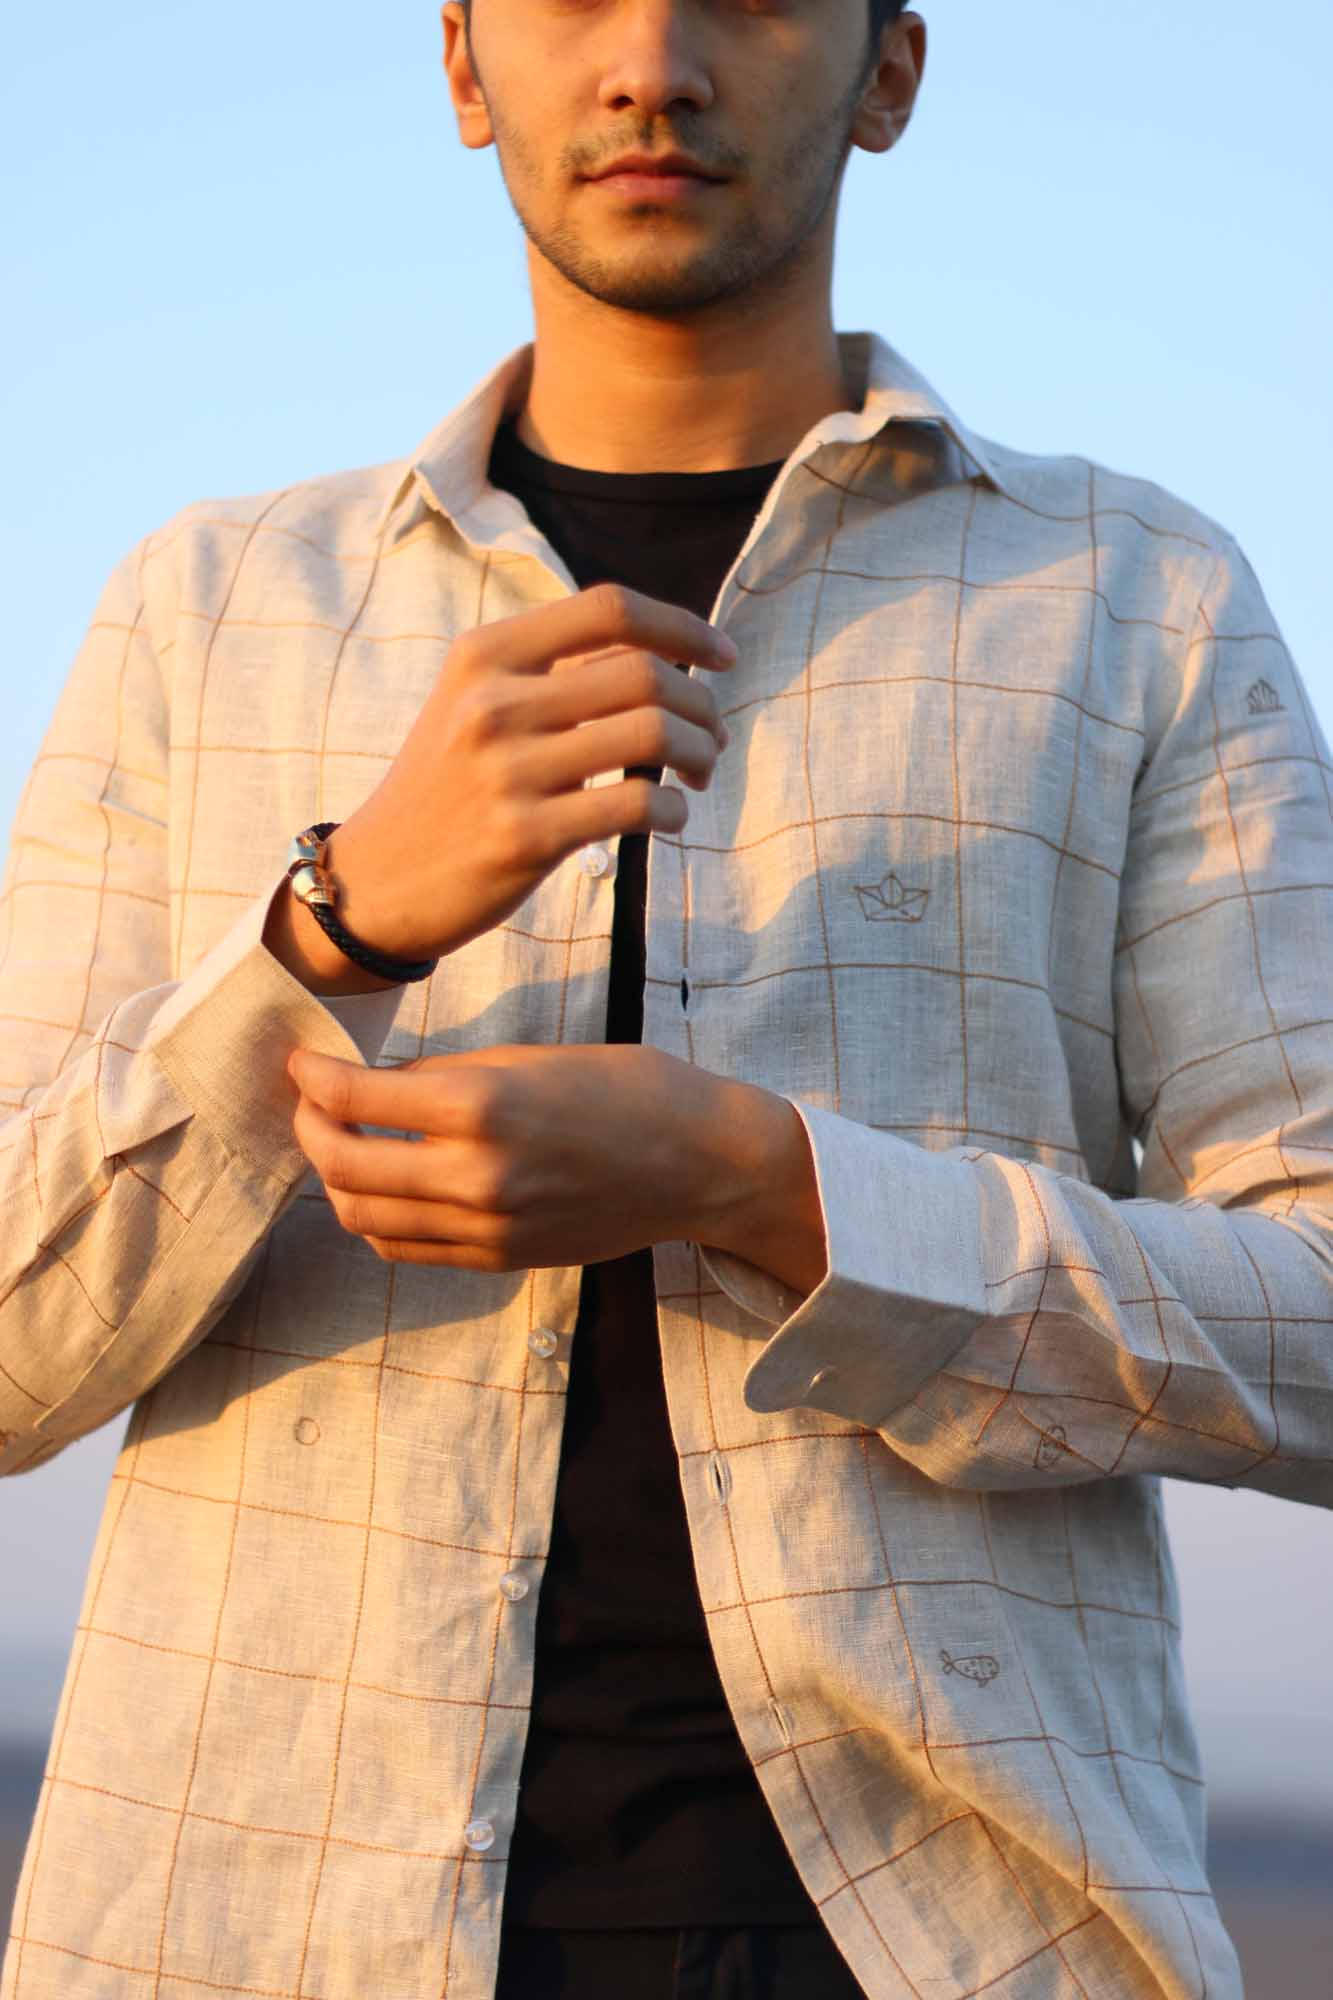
[[452, 1103], [643, 736], [353, 1163], [389, 1192], [611, 684], [382, 1219], [608, 614], [635, 805], [459, 1257]]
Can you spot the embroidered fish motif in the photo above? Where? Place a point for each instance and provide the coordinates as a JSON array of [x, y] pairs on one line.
[[982, 1668], [890, 902], [1051, 1448], [1264, 699]]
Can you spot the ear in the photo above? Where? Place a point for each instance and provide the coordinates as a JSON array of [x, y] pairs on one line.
[[474, 122], [889, 99]]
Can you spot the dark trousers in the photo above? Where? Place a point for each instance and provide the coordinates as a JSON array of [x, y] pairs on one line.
[[787, 1962]]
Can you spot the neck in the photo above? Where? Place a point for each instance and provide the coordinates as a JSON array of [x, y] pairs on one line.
[[616, 391]]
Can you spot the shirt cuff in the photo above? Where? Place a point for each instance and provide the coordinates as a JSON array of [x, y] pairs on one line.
[[225, 1035], [905, 1285]]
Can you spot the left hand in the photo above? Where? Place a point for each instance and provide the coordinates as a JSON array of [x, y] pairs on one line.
[[528, 1156]]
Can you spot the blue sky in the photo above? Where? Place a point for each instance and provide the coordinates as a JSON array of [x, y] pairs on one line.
[[247, 247]]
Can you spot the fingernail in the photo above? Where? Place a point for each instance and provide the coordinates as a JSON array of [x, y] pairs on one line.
[[726, 647]]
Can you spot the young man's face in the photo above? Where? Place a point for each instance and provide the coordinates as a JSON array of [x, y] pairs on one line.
[[771, 94]]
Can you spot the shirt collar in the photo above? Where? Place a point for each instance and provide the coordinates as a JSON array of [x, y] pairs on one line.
[[449, 467]]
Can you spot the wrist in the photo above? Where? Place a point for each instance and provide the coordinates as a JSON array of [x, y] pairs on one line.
[[320, 896], [764, 1201], [371, 906], [365, 904], [295, 939]]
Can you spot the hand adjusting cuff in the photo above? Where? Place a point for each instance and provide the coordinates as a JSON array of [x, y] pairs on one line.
[[315, 887]]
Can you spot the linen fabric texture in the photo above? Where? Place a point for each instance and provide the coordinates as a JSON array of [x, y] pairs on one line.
[[1021, 849]]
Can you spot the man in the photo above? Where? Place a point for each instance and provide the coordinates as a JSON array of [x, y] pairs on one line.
[[653, 1345]]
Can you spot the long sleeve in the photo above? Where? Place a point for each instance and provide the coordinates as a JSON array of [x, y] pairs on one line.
[[146, 1148], [1001, 1324]]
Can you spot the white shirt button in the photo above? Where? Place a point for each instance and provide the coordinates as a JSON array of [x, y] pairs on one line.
[[594, 861], [543, 1341], [479, 1834], [514, 1585], [824, 1375]]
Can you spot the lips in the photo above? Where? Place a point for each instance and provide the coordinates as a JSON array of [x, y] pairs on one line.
[[670, 166], [655, 188]]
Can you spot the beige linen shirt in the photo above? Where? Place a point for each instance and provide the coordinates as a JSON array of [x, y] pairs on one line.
[[1021, 851]]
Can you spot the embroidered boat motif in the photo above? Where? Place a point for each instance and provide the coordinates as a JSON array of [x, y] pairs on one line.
[[891, 902], [1264, 699], [982, 1668], [1051, 1448]]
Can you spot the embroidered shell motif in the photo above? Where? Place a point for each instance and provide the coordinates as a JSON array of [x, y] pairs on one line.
[[982, 1668], [1264, 699]]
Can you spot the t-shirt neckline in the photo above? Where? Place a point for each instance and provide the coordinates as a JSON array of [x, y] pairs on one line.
[[510, 455]]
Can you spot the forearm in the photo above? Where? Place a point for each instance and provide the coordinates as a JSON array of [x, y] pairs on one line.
[[99, 1307], [1003, 1325], [141, 1179], [770, 1212], [296, 939], [1135, 1337], [129, 1224]]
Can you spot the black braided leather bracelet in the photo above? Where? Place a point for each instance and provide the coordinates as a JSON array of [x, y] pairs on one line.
[[313, 886]]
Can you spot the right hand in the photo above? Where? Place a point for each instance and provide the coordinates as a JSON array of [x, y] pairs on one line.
[[487, 794]]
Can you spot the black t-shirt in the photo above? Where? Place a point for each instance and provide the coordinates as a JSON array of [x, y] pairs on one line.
[[637, 1804]]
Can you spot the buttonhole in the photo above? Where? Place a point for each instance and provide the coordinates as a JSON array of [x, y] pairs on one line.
[[684, 991]]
